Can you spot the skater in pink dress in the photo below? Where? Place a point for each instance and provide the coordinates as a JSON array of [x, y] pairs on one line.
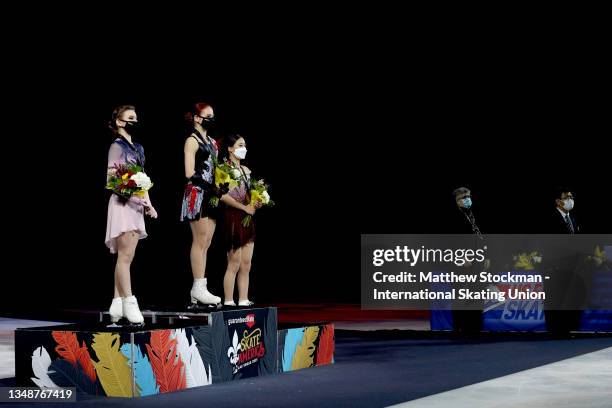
[[125, 221]]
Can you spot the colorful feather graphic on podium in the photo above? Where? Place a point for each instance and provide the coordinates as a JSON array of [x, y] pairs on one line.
[[68, 348], [304, 353], [143, 372], [148, 361], [167, 365], [40, 367], [292, 340], [64, 374], [112, 369], [195, 371], [325, 348], [305, 347]]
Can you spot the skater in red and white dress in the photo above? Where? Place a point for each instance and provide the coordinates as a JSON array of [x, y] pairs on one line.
[[200, 153]]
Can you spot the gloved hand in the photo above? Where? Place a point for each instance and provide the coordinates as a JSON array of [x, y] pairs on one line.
[[221, 190], [198, 180]]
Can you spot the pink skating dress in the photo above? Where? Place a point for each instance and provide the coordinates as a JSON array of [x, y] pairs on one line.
[[124, 216]]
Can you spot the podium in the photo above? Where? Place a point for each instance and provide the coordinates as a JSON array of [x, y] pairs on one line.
[[175, 351]]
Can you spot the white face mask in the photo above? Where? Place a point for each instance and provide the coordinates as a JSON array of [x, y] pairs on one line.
[[568, 204], [240, 152]]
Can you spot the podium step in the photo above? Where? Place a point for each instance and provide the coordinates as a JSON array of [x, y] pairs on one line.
[[206, 347]]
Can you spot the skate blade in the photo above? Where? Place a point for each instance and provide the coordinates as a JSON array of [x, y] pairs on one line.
[[124, 323], [203, 307]]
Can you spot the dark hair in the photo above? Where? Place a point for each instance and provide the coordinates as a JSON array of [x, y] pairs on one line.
[[112, 125], [558, 192], [196, 110], [227, 142], [460, 190]]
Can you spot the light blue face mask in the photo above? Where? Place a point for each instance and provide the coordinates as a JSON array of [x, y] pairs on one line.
[[467, 202]]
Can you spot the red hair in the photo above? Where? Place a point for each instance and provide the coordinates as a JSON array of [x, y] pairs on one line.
[[198, 108]]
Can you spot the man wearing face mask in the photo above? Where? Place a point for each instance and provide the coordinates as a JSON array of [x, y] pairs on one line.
[[466, 321], [466, 220], [562, 219]]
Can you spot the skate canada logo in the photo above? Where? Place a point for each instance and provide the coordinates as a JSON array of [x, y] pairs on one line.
[[246, 351]]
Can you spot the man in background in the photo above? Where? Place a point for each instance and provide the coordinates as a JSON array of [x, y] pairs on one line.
[[465, 220], [466, 321], [560, 220]]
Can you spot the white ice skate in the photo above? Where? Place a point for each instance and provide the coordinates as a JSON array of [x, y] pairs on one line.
[[116, 310], [131, 310], [200, 294]]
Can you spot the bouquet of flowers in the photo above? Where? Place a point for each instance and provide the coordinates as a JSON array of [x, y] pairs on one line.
[[526, 261], [259, 193], [128, 179], [226, 176]]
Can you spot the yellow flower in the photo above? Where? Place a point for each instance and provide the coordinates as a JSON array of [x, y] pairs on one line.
[[125, 176], [255, 196], [222, 177], [599, 256], [524, 262]]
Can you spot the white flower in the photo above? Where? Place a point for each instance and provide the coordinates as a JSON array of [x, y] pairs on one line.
[[236, 173], [266, 197], [142, 180]]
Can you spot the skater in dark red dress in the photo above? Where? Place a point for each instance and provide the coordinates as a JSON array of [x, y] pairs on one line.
[[239, 240]]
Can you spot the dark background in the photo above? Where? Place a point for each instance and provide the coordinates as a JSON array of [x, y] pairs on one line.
[[354, 136]]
